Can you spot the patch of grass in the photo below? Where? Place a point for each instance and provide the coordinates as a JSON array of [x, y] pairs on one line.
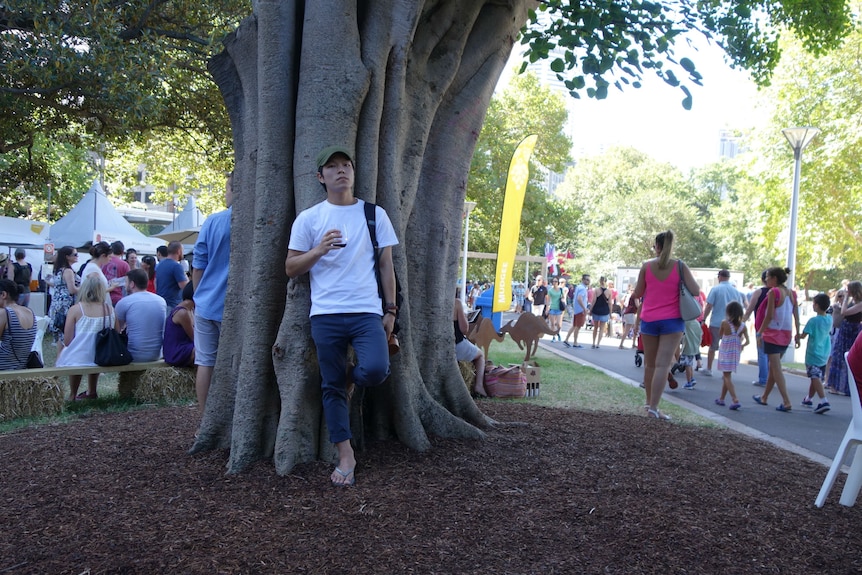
[[565, 384], [568, 385], [109, 400]]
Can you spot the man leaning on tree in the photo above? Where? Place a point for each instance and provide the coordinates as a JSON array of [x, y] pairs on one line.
[[331, 242]]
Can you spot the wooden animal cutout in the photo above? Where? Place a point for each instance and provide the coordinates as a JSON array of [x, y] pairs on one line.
[[482, 332], [527, 331]]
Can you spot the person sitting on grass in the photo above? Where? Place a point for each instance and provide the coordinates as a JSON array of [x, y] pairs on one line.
[[85, 319]]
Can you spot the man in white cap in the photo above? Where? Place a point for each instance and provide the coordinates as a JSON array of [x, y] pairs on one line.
[[331, 242]]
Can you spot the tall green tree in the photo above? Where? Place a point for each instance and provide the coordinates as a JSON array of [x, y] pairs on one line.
[[408, 84], [824, 91], [405, 82], [626, 198], [93, 73], [525, 107]]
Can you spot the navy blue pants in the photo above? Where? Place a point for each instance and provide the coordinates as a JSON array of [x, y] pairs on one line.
[[332, 334]]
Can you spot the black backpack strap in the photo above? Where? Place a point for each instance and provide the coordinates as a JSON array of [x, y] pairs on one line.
[[371, 221]]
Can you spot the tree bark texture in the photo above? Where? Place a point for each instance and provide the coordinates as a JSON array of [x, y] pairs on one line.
[[406, 84]]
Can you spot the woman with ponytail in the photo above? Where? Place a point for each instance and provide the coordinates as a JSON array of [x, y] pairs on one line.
[[776, 333], [661, 325]]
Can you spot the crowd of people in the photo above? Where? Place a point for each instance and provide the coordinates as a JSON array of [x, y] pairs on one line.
[[647, 313], [151, 300]]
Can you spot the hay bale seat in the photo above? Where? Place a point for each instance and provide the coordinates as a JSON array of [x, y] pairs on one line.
[[36, 392]]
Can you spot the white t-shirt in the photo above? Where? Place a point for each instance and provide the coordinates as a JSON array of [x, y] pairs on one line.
[[343, 280], [93, 268]]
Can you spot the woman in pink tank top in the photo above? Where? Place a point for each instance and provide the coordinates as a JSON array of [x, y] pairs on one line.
[[661, 326], [776, 332]]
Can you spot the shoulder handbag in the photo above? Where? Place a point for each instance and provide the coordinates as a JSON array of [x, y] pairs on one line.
[[34, 360], [111, 346], [689, 307]]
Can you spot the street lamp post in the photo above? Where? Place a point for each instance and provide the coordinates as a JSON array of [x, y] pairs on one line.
[[798, 138], [468, 207], [527, 241]]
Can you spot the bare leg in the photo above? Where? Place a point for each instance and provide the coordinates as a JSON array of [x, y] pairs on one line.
[[664, 347], [346, 463], [74, 383], [92, 382], [626, 328], [725, 383], [775, 366], [479, 385], [203, 377], [601, 330], [728, 387], [571, 330], [650, 343], [816, 387]]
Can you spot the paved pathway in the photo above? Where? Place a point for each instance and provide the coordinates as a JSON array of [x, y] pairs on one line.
[[816, 437]]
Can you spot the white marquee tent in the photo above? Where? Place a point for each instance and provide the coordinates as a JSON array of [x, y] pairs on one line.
[[185, 228], [15, 233], [94, 219]]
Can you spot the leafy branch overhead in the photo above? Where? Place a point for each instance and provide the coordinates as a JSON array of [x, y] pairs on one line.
[[109, 68], [594, 44]]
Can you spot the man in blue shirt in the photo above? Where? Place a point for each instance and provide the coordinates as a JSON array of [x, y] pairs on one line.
[[209, 278], [170, 277], [143, 315], [716, 303]]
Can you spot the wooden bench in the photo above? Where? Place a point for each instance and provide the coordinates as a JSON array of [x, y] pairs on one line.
[[130, 375]]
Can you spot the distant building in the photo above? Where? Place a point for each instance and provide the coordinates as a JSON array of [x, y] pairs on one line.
[[729, 145]]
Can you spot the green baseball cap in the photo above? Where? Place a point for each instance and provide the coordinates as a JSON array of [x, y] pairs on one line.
[[330, 151]]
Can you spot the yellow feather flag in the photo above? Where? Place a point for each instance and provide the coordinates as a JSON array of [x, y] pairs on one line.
[[510, 224]]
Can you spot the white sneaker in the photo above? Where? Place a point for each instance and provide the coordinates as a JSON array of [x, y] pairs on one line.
[[706, 372]]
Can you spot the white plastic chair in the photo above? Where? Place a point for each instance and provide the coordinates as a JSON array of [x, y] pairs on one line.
[[852, 438]]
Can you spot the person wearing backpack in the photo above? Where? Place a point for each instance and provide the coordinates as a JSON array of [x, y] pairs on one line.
[[331, 242], [22, 272]]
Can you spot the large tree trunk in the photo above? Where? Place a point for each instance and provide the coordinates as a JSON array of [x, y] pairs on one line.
[[407, 84]]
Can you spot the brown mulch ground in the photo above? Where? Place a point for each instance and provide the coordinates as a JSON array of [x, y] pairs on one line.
[[566, 492]]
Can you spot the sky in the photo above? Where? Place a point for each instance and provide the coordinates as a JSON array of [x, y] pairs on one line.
[[652, 118]]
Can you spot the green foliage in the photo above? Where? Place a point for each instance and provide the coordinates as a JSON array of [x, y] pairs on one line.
[[83, 75], [69, 70], [826, 92], [617, 41], [67, 169], [626, 198], [525, 107]]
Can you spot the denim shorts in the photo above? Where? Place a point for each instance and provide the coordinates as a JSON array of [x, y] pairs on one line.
[[603, 318], [662, 326], [815, 371], [555, 312], [773, 348]]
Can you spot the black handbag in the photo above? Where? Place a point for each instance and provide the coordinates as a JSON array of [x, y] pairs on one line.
[[112, 347], [34, 361]]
